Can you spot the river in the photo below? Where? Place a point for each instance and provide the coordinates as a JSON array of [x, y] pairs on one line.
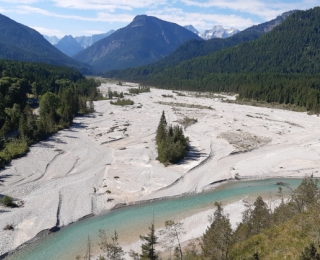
[[131, 221]]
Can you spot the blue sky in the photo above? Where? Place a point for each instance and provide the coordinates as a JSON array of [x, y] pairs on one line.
[[87, 17]]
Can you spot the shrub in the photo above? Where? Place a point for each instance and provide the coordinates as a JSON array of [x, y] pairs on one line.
[[8, 227], [7, 201], [122, 102]]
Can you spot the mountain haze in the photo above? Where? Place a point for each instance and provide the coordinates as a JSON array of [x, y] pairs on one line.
[[21, 43], [52, 39], [192, 29], [87, 41], [145, 40], [68, 45]]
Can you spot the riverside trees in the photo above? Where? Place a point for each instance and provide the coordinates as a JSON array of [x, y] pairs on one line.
[[63, 93], [171, 142]]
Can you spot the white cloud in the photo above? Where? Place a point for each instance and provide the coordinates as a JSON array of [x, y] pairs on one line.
[[201, 21], [48, 32], [20, 1], [101, 17], [110, 5], [267, 10]]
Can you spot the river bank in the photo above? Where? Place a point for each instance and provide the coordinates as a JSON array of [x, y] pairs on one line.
[[109, 158]]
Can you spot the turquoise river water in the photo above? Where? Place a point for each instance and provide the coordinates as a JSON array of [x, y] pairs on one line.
[[134, 220]]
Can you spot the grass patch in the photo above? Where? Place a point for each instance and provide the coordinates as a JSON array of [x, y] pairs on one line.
[[255, 103], [184, 105], [167, 96], [122, 102], [137, 91], [14, 149], [7, 201], [187, 121], [108, 191]]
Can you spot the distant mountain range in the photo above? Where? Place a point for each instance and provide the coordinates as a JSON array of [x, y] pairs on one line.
[[19, 42], [71, 45], [145, 40], [87, 41], [216, 32]]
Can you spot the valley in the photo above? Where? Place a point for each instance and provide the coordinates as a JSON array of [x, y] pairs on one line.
[[108, 159]]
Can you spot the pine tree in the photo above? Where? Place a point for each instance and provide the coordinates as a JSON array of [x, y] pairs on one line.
[[162, 128], [148, 248], [217, 238]]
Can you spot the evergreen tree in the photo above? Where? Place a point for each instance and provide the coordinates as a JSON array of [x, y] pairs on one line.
[[112, 249], [148, 248], [162, 128], [171, 142], [217, 238]]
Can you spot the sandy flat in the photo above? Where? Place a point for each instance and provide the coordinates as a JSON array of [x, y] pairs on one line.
[[109, 157]]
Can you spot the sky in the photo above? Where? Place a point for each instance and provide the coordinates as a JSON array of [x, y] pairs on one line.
[[88, 17]]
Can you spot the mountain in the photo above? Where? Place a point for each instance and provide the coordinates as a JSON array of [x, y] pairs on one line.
[[218, 32], [280, 66], [145, 40], [21, 43], [195, 48], [52, 39], [192, 29], [68, 45], [86, 41]]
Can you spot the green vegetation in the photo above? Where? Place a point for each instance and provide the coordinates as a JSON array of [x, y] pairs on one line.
[[174, 104], [122, 102], [112, 249], [281, 66], [7, 201], [63, 94], [112, 94], [290, 231], [187, 121], [139, 90], [148, 248], [171, 143]]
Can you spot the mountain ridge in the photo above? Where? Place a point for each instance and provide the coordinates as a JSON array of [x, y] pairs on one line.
[[145, 40], [21, 43]]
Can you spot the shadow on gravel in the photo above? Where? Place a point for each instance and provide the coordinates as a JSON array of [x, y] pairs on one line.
[[193, 155], [3, 177]]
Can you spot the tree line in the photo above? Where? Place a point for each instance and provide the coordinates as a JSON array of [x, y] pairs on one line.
[[60, 94]]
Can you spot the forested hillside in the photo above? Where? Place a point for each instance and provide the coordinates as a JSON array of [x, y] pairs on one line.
[[21, 43], [281, 66], [63, 93]]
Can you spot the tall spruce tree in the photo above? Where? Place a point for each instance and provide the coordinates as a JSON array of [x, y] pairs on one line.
[[217, 238], [148, 248]]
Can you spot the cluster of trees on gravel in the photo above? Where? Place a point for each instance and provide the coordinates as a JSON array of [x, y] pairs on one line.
[[171, 143], [61, 93], [288, 231]]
